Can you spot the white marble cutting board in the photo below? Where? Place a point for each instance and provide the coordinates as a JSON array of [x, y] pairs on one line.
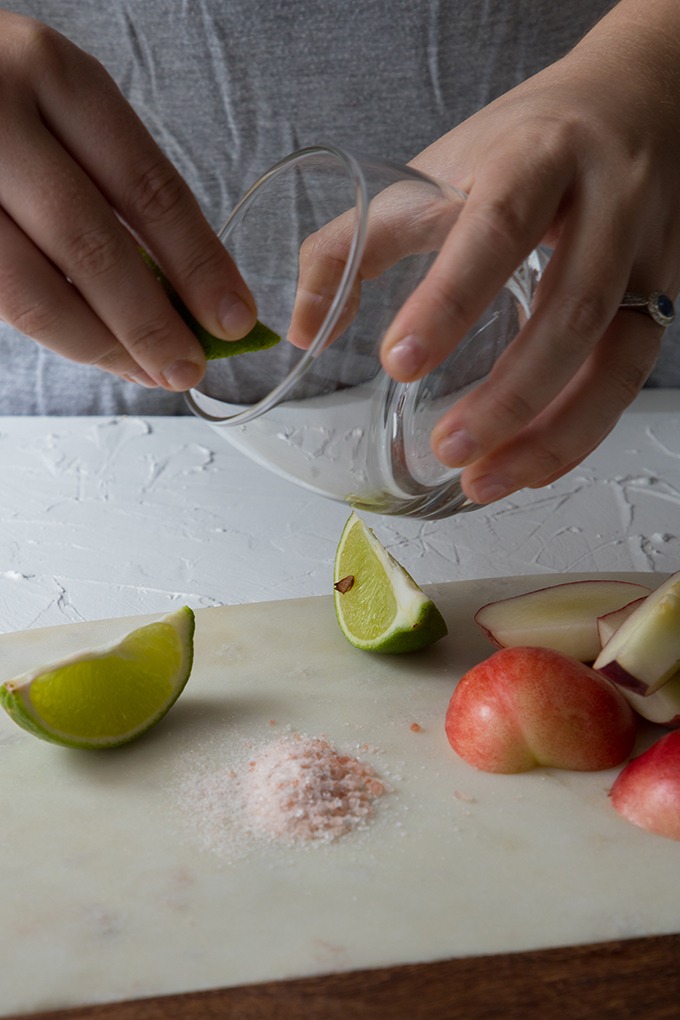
[[114, 886]]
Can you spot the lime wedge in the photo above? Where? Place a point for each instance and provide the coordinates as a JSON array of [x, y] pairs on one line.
[[379, 606], [259, 338], [105, 697]]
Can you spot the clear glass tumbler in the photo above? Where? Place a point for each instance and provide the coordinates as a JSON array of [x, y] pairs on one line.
[[331, 244]]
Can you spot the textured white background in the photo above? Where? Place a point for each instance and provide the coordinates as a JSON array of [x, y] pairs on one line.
[[104, 517]]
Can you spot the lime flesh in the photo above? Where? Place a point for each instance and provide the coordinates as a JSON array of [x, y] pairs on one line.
[[379, 606], [105, 697]]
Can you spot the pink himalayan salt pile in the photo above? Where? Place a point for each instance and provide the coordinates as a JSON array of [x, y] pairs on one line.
[[301, 790]]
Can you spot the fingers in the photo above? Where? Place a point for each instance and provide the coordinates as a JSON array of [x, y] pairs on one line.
[[39, 301], [504, 218], [82, 185], [144, 188], [559, 388], [518, 427], [408, 217], [577, 420], [322, 267], [84, 280]]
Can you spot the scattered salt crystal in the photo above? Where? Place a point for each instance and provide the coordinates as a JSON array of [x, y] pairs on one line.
[[466, 797]]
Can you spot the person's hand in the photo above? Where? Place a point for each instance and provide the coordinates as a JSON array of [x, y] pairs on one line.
[[584, 157], [82, 186]]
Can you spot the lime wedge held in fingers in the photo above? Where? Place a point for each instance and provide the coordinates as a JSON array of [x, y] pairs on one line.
[[259, 338], [105, 697], [379, 606]]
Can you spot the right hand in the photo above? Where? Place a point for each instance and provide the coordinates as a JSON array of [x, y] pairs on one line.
[[82, 186], [586, 160]]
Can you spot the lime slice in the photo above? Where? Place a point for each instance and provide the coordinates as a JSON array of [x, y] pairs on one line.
[[380, 607], [107, 696], [259, 338]]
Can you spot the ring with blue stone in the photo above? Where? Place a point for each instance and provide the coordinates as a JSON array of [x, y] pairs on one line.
[[658, 306]]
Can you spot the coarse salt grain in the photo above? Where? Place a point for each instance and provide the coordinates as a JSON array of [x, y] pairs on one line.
[[293, 791], [302, 790]]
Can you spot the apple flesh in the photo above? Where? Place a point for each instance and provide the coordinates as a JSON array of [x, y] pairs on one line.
[[561, 616], [608, 624], [662, 707], [644, 652], [525, 707], [647, 791]]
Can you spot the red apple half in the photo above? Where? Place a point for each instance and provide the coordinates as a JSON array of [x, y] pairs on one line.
[[525, 707], [560, 616], [647, 791], [644, 652]]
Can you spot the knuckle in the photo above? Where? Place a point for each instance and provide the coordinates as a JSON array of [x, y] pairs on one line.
[[509, 410], [29, 41], [500, 218], [113, 359], [146, 338], [444, 304], [91, 253], [322, 271], [157, 193], [626, 381], [204, 264], [312, 251], [39, 319], [32, 312], [548, 461], [31, 44], [584, 317]]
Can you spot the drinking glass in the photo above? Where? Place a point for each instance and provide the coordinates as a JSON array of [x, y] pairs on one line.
[[331, 244]]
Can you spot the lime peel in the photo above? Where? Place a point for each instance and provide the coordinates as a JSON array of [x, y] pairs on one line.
[[260, 337], [108, 696], [382, 609]]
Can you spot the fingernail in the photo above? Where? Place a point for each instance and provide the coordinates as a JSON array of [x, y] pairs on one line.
[[456, 448], [181, 375], [236, 317], [406, 358], [489, 488]]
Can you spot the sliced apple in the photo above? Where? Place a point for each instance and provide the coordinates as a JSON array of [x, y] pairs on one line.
[[643, 654], [608, 624], [647, 791], [662, 707], [562, 616]]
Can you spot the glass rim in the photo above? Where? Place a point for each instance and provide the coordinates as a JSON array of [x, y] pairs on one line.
[[355, 176]]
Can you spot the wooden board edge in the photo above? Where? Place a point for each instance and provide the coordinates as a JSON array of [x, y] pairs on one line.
[[605, 981]]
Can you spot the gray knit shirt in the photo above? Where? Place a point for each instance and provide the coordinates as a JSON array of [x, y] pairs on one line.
[[228, 87]]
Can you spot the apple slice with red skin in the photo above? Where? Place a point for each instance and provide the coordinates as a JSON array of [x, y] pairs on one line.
[[644, 652], [525, 707], [662, 707], [560, 616], [608, 624], [647, 790]]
